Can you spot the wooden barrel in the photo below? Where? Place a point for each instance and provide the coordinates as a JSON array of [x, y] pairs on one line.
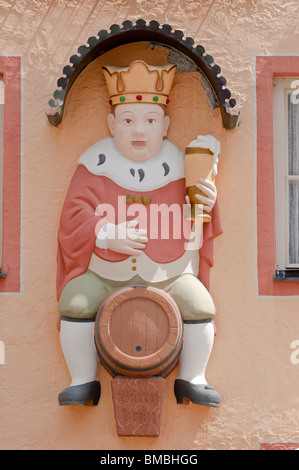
[[139, 332]]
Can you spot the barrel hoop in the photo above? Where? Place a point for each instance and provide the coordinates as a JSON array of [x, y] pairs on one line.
[[115, 372], [162, 372], [102, 352], [159, 374]]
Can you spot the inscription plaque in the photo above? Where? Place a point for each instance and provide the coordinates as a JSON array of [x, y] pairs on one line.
[[138, 405]]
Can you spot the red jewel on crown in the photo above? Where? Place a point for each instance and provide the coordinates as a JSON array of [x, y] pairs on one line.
[[138, 97]]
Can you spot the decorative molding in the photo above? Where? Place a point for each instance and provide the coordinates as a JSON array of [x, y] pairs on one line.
[[153, 32]]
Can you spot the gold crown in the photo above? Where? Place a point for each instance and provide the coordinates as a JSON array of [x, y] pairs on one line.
[[139, 83]]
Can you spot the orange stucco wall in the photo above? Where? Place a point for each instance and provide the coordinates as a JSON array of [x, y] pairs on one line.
[[252, 364]]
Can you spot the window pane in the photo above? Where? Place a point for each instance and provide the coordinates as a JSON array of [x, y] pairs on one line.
[[294, 222], [293, 137]]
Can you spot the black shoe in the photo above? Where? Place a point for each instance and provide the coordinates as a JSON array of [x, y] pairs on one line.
[[198, 394], [81, 394]]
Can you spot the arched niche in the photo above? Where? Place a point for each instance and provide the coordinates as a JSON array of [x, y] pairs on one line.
[[182, 51]]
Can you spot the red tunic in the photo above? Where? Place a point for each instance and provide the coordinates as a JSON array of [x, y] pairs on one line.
[[80, 223]]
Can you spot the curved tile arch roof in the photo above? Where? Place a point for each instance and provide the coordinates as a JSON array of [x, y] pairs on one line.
[[141, 31]]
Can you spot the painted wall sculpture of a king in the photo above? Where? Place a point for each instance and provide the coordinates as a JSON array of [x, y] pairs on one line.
[[131, 218]]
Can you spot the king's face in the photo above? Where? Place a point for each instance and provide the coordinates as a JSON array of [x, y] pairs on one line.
[[138, 130]]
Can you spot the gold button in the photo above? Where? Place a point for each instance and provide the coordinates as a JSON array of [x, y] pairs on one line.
[[134, 268], [134, 260]]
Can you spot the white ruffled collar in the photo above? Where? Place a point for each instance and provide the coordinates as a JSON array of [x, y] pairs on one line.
[[103, 158]]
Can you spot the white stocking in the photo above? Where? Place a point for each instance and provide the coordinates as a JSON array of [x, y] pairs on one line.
[[197, 347], [77, 342]]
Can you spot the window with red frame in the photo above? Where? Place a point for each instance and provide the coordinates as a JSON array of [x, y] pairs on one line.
[[10, 174], [277, 179]]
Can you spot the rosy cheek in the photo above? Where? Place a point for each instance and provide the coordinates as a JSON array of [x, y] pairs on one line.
[[119, 136]]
